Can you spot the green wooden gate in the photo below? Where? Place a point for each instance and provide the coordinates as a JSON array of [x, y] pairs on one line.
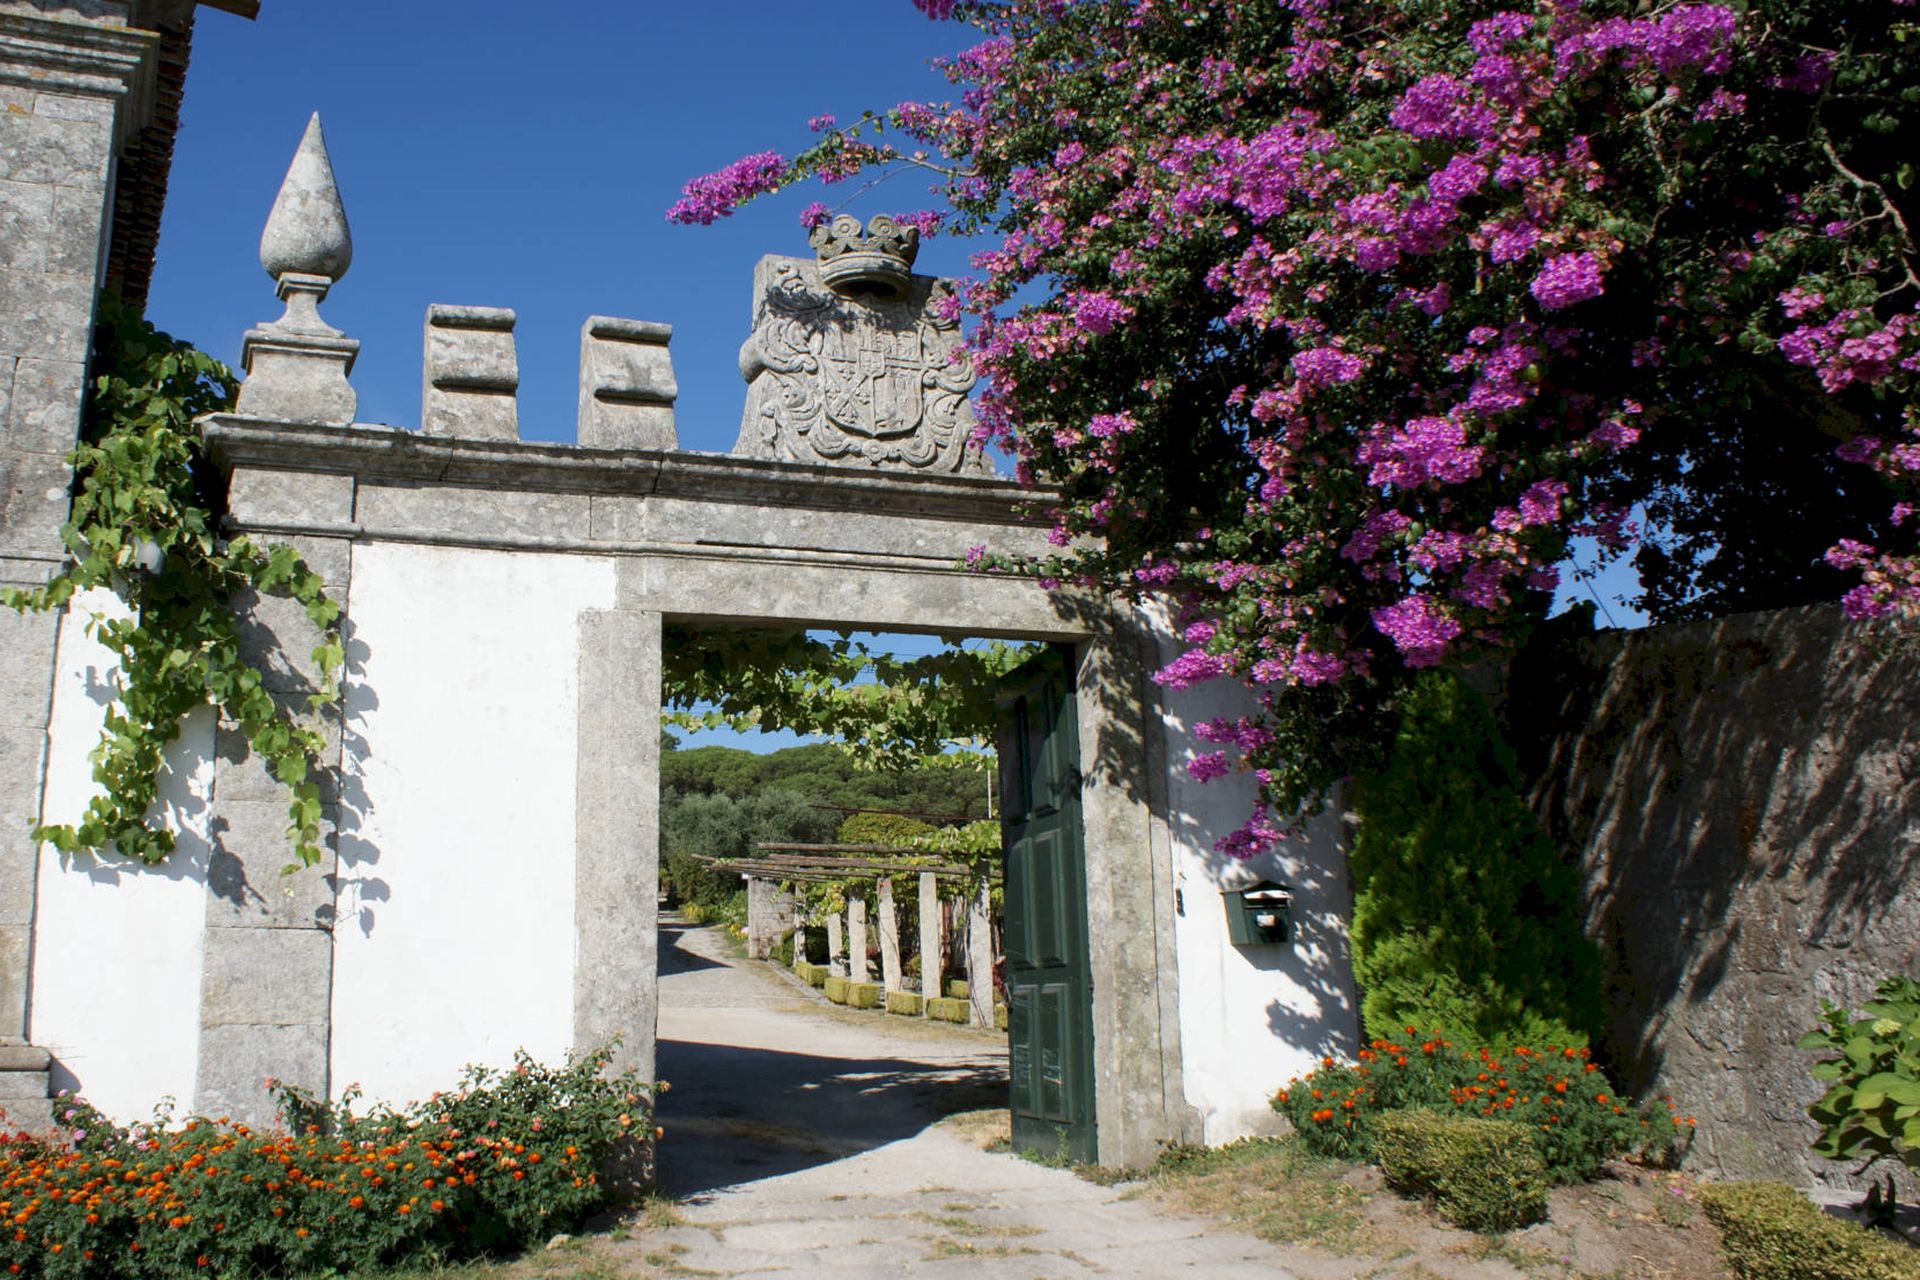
[[1049, 985]]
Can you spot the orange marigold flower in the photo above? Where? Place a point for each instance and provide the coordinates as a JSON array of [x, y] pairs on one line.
[[357, 1202]]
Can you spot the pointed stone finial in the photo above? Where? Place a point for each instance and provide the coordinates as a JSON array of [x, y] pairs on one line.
[[307, 230], [297, 365]]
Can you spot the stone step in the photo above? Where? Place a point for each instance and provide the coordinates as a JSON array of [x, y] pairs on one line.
[[24, 1057], [22, 1084], [32, 1115]]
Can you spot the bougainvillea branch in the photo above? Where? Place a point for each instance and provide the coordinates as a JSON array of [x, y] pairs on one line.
[[1339, 323]]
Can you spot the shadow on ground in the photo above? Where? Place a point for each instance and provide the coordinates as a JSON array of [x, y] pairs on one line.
[[736, 1114], [675, 958]]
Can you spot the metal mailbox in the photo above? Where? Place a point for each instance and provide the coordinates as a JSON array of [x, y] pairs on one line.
[[1259, 914]]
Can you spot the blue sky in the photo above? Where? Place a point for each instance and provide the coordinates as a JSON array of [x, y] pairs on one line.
[[523, 156]]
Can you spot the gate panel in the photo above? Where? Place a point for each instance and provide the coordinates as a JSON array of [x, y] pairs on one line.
[[1049, 985]]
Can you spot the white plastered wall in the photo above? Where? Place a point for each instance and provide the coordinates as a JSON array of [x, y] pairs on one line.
[[454, 940], [1251, 1018], [117, 945]]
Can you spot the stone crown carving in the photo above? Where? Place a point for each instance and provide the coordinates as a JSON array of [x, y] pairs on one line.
[[875, 264], [868, 381]]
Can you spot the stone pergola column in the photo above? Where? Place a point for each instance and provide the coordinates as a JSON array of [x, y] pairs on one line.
[[932, 956], [836, 964], [72, 88], [889, 938], [980, 954], [857, 967]]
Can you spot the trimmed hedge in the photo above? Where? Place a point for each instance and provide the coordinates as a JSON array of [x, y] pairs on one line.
[[863, 995], [1769, 1231], [948, 1010], [1484, 1175], [814, 975], [957, 989], [903, 1002], [1000, 1016], [836, 988]]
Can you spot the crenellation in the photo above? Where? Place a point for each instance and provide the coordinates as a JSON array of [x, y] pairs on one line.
[[627, 387], [471, 374]]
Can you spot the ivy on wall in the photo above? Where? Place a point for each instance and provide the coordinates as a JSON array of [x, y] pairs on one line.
[[143, 525]]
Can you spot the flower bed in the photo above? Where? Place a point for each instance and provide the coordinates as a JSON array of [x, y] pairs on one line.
[[506, 1160], [1559, 1095]]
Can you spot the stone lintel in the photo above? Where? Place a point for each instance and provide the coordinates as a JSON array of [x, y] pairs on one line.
[[78, 57], [374, 453], [627, 387], [470, 373]]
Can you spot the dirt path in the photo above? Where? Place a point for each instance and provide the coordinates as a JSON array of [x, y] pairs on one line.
[[802, 1141]]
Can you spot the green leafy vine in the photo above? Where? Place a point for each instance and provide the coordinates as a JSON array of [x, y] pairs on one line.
[[143, 526], [888, 711]]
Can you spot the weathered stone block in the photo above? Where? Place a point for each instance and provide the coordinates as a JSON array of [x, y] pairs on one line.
[[34, 501], [271, 976], [471, 373], [44, 148], [245, 884], [627, 387], [42, 413], [26, 675], [49, 317], [310, 498], [236, 1059], [15, 944], [476, 512], [79, 226], [297, 378], [26, 225]]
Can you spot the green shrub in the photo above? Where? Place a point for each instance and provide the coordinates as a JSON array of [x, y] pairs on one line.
[[1768, 1231], [836, 988], [863, 995], [948, 1010], [1556, 1094], [1872, 1106], [498, 1164], [957, 989], [1465, 918], [814, 975], [906, 1003], [1483, 1175]]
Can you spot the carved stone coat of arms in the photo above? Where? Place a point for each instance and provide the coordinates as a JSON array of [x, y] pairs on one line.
[[855, 381]]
